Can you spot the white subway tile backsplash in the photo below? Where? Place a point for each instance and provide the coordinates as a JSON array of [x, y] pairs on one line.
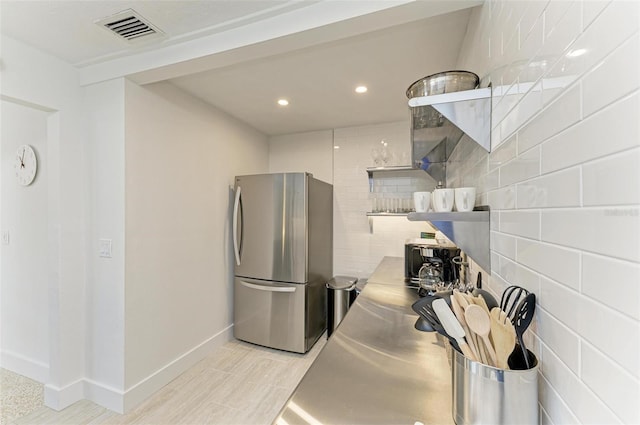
[[614, 283], [559, 189], [559, 376], [489, 181], [560, 34], [614, 334], [502, 199], [528, 105], [553, 406], [619, 390], [503, 154], [609, 231], [521, 223], [560, 264], [576, 240], [614, 180], [559, 301], [525, 166], [624, 62], [591, 9], [554, 14], [533, 15], [531, 44], [559, 115], [609, 131], [503, 244], [588, 408], [559, 338]]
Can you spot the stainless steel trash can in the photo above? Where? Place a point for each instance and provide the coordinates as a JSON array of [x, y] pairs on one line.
[[488, 395], [340, 297]]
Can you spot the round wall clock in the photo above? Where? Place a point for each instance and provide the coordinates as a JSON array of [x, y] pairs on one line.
[[25, 165]]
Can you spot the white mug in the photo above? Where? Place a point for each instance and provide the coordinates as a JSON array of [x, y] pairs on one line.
[[421, 201], [442, 200], [465, 198]]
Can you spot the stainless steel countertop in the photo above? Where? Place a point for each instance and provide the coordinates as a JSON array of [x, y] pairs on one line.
[[376, 368]]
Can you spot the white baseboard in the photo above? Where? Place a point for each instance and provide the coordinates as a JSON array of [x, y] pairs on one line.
[[145, 388], [105, 396], [59, 398], [24, 366], [113, 399]]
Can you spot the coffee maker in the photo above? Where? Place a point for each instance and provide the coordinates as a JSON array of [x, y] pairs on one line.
[[439, 257]]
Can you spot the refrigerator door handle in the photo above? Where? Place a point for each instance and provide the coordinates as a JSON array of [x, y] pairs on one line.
[[268, 288], [236, 245]]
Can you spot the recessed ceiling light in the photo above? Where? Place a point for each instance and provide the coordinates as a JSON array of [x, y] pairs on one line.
[[361, 89], [283, 102]]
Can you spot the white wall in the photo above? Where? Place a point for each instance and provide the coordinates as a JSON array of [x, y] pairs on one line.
[[43, 82], [181, 159], [359, 242], [310, 152], [563, 184], [24, 291], [105, 345]]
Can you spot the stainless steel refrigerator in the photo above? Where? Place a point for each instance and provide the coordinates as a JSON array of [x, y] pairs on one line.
[[282, 239]]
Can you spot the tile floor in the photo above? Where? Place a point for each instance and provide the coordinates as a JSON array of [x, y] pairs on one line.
[[238, 383]]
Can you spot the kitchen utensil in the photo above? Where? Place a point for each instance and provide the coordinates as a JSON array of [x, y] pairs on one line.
[[465, 198], [510, 299], [443, 82], [503, 336], [523, 317], [479, 322], [425, 310], [459, 312], [465, 300], [452, 326], [484, 299], [488, 298], [423, 325], [519, 362]]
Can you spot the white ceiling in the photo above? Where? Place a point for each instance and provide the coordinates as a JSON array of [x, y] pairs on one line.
[[319, 81]]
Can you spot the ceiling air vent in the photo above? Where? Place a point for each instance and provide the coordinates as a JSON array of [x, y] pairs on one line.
[[130, 26]]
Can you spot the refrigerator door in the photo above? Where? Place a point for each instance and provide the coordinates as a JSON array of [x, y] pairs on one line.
[[270, 227], [270, 314]]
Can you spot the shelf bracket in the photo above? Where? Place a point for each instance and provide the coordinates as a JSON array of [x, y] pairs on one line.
[[470, 231]]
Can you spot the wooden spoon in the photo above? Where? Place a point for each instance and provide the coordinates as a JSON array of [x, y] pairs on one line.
[[459, 312], [465, 300], [479, 322], [503, 335]]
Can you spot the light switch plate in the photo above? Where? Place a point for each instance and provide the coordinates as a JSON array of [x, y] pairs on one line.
[[104, 248], [5, 237]]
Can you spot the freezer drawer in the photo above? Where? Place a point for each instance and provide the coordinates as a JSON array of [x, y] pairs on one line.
[[270, 313]]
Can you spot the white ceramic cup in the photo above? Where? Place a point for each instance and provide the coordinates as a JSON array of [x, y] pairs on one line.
[[465, 198], [421, 201], [442, 200]]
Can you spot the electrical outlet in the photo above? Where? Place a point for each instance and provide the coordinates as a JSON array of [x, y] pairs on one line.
[[104, 248], [5, 237]]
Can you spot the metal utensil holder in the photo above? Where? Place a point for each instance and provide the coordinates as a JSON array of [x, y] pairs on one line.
[[484, 394]]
